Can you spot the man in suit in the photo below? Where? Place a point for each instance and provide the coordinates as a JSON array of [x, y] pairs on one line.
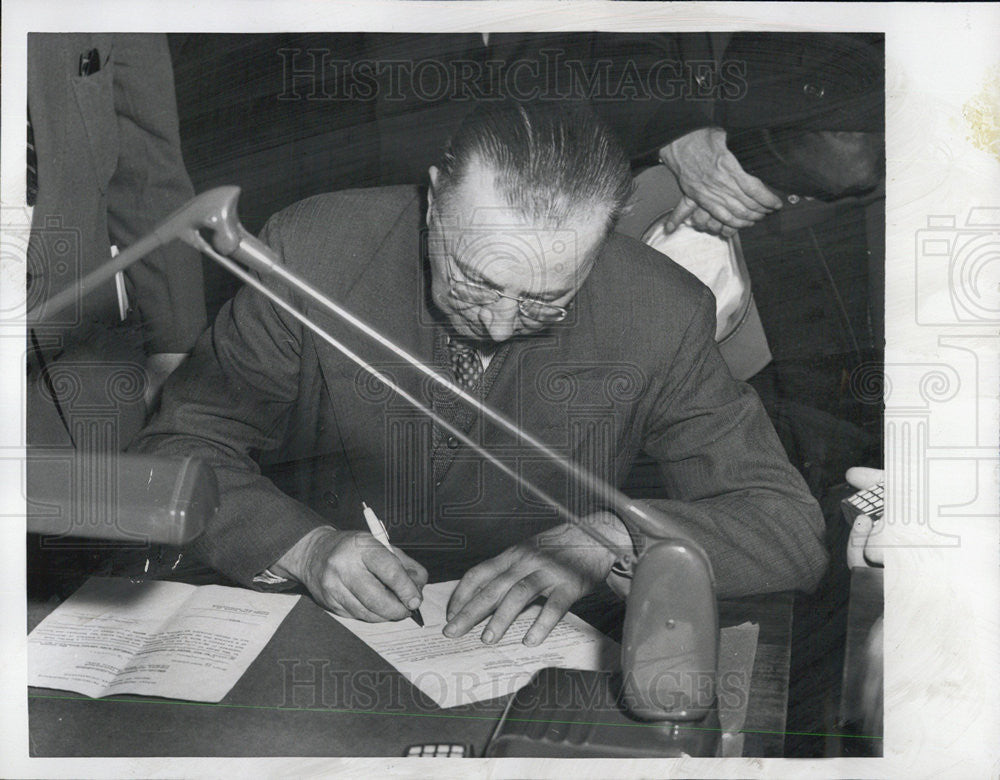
[[588, 340], [106, 169], [104, 123]]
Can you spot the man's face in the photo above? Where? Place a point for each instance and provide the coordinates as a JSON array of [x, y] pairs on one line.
[[493, 273]]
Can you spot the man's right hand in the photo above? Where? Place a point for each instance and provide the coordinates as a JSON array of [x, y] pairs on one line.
[[352, 575]]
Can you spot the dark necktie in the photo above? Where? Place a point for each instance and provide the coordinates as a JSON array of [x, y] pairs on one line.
[[466, 364]]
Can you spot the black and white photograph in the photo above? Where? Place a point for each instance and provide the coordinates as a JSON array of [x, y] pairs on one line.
[[432, 383]]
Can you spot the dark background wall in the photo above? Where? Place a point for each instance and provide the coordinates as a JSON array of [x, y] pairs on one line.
[[241, 125]]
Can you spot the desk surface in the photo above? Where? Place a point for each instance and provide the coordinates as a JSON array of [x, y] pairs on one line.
[[317, 690]]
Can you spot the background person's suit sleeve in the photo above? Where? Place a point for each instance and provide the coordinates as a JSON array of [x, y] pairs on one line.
[[227, 402], [150, 182], [733, 489]]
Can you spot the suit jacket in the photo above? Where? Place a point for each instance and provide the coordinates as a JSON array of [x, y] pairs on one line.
[[109, 169], [633, 367]]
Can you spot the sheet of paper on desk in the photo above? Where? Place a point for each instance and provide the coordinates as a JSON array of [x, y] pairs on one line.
[[115, 636], [464, 670], [737, 651]]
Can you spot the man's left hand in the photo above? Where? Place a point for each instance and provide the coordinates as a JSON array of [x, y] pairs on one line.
[[562, 564]]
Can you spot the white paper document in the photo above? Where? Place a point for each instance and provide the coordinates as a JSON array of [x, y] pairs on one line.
[[115, 636], [464, 670]]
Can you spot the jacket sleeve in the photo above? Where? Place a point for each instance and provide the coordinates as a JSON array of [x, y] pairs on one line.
[[732, 487], [149, 183], [228, 401]]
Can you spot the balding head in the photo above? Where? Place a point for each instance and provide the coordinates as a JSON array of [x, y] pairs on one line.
[[518, 213], [552, 161]]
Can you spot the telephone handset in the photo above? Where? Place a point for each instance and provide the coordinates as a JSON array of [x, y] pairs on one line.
[[870, 502]]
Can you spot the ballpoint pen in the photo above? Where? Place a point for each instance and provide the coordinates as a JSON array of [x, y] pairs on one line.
[[377, 530]]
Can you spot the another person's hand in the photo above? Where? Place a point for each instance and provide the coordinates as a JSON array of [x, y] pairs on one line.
[[719, 196], [561, 565], [859, 551], [353, 575], [864, 478]]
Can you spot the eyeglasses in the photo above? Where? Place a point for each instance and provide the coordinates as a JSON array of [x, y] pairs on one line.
[[480, 295]]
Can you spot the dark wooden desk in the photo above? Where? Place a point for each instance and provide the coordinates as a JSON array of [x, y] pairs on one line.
[[764, 729], [317, 690]]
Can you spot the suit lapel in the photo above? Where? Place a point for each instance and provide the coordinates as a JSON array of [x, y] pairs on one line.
[[386, 441]]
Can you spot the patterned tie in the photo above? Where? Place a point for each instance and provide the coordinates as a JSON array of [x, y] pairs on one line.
[[466, 364]]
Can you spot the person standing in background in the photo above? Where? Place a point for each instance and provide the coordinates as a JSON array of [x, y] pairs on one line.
[[107, 168], [104, 167]]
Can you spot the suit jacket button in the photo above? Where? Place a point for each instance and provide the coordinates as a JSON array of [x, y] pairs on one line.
[[331, 498], [452, 442]]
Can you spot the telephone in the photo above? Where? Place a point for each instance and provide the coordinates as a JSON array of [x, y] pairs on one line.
[[864, 510], [869, 502]]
